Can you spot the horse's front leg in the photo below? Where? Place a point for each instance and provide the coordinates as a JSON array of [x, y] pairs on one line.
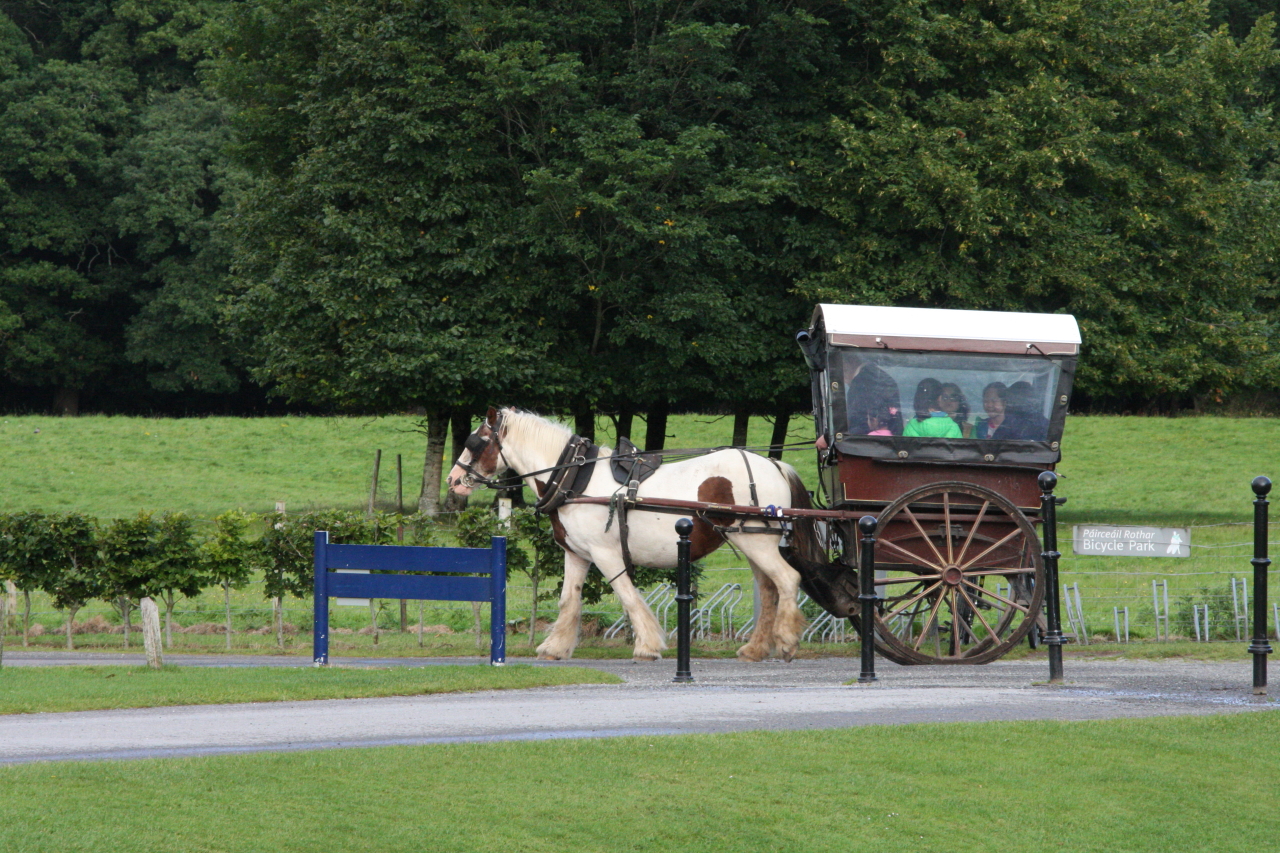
[[650, 638], [563, 639]]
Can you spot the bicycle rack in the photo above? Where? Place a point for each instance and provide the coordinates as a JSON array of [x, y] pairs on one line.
[[1240, 605], [1162, 613], [659, 599], [722, 601], [1196, 610], [1075, 613], [1115, 613]]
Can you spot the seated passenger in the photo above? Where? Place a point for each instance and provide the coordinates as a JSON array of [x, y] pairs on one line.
[[994, 425], [955, 405], [887, 420], [1024, 414], [868, 390], [931, 419]]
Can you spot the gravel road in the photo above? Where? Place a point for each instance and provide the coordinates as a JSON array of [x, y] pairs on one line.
[[725, 696]]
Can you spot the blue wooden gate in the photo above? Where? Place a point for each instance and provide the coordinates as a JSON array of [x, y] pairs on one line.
[[443, 584]]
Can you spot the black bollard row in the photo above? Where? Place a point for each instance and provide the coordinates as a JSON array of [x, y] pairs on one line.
[[1260, 648], [1049, 531], [867, 595], [684, 674]]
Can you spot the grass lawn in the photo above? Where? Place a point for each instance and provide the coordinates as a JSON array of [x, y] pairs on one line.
[[1160, 785], [30, 689]]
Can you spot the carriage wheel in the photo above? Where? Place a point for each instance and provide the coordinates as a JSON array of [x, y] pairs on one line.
[[959, 573]]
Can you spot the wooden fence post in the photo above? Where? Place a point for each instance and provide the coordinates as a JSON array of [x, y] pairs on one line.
[[151, 632]]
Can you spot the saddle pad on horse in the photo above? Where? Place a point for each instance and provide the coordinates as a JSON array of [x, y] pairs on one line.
[[629, 463]]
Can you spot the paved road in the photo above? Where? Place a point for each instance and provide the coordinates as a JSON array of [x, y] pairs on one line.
[[726, 696]]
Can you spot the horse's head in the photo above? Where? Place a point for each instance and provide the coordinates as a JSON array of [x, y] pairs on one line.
[[481, 458]]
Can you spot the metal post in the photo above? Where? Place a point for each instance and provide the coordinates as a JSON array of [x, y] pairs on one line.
[[683, 599], [1260, 648], [498, 600], [1049, 520], [867, 595], [320, 613]]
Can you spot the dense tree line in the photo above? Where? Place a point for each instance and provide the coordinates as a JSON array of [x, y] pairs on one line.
[[592, 206]]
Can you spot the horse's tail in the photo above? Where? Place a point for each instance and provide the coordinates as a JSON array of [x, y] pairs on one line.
[[834, 587]]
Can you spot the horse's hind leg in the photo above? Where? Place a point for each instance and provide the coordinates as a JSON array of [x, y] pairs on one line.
[[760, 646], [650, 638], [762, 553], [563, 639]]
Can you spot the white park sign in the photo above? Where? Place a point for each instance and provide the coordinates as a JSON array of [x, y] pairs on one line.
[[1103, 540]]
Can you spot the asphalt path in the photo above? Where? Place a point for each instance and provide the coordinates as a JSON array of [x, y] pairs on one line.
[[726, 696]]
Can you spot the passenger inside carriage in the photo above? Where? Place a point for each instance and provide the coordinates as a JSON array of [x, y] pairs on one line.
[[931, 419], [871, 395]]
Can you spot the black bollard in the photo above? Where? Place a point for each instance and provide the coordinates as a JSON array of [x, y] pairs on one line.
[[867, 595], [683, 598], [1049, 520], [1260, 648]]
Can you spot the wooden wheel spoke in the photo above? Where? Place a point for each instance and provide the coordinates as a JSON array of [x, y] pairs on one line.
[[911, 515], [998, 597], [1016, 532], [911, 579], [946, 521], [1020, 570], [933, 614], [915, 558], [964, 549], [892, 613], [957, 625], [978, 613]]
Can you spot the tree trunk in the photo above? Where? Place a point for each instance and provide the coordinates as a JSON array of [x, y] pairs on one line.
[[741, 420], [123, 603], [26, 616], [4, 616], [437, 432], [168, 618], [475, 611], [584, 421], [66, 402], [226, 601], [533, 611], [780, 421], [71, 620], [626, 416], [277, 613], [459, 430], [655, 434]]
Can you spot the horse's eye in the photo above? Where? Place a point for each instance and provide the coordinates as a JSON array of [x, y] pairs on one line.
[[476, 444]]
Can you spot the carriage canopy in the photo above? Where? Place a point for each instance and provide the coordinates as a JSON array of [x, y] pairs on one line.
[[929, 384]]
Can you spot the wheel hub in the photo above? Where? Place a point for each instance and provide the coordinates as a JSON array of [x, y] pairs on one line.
[[952, 576]]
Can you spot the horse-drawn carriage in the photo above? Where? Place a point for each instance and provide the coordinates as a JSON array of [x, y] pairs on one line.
[[958, 573], [938, 423]]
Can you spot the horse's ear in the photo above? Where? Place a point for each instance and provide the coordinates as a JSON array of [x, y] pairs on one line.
[[491, 417]]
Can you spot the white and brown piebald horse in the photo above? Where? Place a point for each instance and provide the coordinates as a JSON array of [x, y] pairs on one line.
[[526, 444]]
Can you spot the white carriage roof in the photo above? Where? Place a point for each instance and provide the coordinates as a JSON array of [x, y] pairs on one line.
[[949, 330]]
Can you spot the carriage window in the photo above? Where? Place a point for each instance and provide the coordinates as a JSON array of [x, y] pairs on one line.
[[948, 395]]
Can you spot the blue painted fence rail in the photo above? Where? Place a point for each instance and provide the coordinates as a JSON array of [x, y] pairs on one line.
[[490, 563]]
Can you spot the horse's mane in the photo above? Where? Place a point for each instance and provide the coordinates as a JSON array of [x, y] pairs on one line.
[[519, 427]]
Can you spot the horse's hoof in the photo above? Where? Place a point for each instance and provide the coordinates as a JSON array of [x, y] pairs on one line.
[[548, 657], [645, 657], [751, 655]]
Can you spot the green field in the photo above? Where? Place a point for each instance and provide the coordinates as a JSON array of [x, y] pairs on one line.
[[1188, 471], [1118, 470], [1159, 785]]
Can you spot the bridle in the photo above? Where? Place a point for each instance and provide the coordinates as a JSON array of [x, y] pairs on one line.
[[477, 445]]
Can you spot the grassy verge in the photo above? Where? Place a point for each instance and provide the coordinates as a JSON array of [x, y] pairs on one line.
[[27, 690], [1112, 785]]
